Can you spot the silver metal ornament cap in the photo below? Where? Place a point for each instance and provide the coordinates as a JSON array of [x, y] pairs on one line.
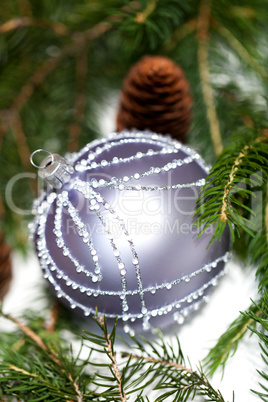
[[54, 169]]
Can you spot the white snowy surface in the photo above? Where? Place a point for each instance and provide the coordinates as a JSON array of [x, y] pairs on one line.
[[232, 295]]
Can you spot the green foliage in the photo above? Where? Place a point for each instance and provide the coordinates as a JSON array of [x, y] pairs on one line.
[[259, 256], [40, 368], [46, 368], [261, 331], [166, 371], [227, 344], [237, 174], [60, 62], [153, 24]]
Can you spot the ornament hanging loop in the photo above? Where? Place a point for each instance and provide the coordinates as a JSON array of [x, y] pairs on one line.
[[41, 166], [54, 169]]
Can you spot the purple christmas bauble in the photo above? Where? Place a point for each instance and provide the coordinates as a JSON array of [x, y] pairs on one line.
[[118, 234]]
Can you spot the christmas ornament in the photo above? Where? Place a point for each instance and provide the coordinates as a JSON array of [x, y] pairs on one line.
[[156, 96], [116, 230], [5, 267]]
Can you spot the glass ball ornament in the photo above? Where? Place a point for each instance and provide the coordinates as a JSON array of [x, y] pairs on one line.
[[117, 234]]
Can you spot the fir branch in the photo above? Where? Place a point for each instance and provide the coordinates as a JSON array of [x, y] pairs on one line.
[[228, 186], [158, 366], [79, 40], [40, 343], [261, 331], [142, 16], [21, 141], [159, 361], [266, 213], [109, 339], [39, 76], [3, 126], [35, 80], [227, 344], [79, 101], [23, 148], [53, 317], [19, 370], [2, 208], [169, 372], [22, 22], [180, 33], [240, 49], [24, 7], [203, 23], [31, 334], [223, 199], [258, 253]]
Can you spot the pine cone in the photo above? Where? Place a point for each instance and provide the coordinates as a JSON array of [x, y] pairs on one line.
[[5, 267], [156, 96]]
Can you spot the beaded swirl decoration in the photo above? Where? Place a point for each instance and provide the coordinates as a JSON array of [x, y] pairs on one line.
[[118, 233]]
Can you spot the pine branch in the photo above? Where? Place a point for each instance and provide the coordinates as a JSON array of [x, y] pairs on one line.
[[23, 148], [258, 255], [50, 353], [266, 213], [53, 317], [79, 101], [169, 372], [232, 181], [241, 50], [180, 33], [109, 339], [159, 361], [77, 45], [261, 331], [20, 22], [203, 24], [228, 186], [227, 344], [156, 367], [142, 16], [2, 208], [106, 344], [24, 7]]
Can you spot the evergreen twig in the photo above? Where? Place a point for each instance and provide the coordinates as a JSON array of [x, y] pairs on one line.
[[53, 316], [203, 25], [39, 341], [25, 7], [20, 22], [266, 213], [169, 371], [241, 50], [228, 186], [142, 16], [79, 101], [21, 142], [228, 342], [243, 161], [160, 361], [186, 29], [261, 331], [69, 27], [109, 339]]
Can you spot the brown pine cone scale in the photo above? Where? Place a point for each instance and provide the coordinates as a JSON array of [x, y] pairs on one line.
[[156, 96]]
